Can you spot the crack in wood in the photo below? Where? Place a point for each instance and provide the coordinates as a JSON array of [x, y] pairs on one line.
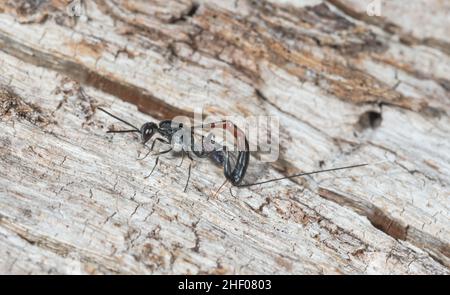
[[145, 101], [437, 249], [391, 28], [252, 56]]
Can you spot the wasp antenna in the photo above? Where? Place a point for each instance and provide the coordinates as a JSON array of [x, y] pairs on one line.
[[121, 120], [302, 174]]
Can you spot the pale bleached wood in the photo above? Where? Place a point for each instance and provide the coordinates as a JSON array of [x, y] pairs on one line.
[[74, 200]]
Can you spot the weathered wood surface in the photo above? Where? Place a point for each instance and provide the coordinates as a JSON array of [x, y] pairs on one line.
[[346, 87]]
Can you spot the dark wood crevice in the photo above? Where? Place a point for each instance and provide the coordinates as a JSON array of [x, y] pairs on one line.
[[391, 28], [145, 101], [395, 228]]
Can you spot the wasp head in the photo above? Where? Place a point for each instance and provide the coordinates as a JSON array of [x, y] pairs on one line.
[[147, 131]]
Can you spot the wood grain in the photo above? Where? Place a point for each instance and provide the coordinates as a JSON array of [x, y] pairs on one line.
[[345, 87]]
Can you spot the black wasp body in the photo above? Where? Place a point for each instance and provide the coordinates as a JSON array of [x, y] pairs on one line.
[[181, 139]]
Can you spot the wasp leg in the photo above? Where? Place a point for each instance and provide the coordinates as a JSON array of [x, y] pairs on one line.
[[157, 160], [189, 170], [153, 146], [182, 159], [153, 169], [189, 177], [163, 152], [218, 190], [231, 192], [146, 155]]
